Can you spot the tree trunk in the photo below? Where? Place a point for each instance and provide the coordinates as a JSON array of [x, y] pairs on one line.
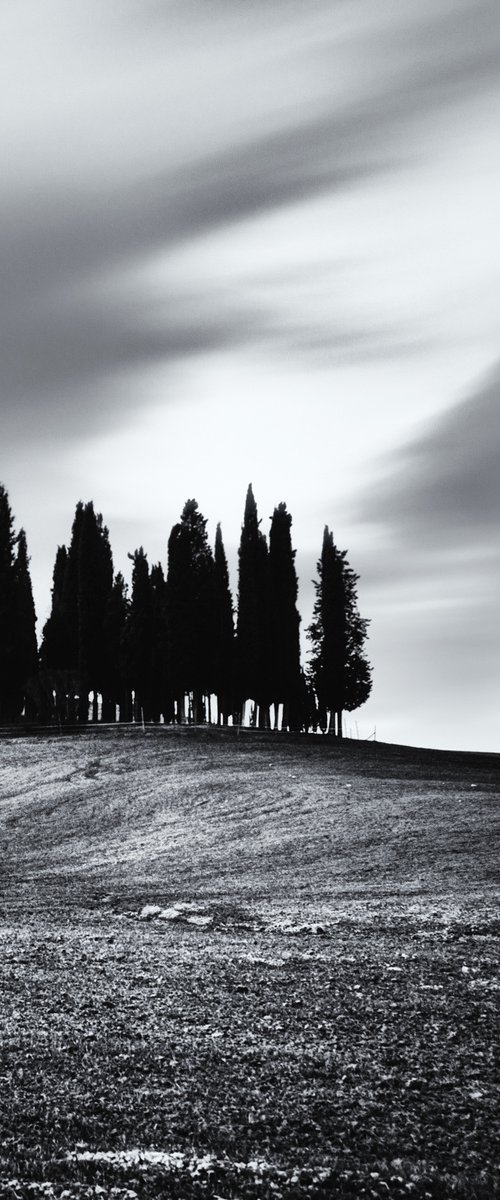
[[263, 716], [108, 710]]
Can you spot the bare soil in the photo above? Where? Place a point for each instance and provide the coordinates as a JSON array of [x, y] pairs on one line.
[[247, 966]]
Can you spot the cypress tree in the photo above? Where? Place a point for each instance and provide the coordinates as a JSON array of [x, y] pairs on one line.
[[26, 648], [253, 632], [190, 597], [224, 642], [8, 677], [70, 590], [74, 637], [58, 684], [95, 582], [285, 681], [114, 682], [161, 697], [339, 670], [138, 638], [53, 651], [18, 648]]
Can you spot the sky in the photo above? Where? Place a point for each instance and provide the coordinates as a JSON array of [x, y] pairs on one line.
[[258, 242]]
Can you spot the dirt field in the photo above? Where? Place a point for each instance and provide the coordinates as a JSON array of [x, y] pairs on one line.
[[247, 966]]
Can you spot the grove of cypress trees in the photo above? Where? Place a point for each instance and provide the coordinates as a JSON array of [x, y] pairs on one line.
[[340, 673], [175, 637]]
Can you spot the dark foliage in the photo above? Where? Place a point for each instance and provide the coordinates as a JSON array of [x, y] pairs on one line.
[[114, 672], [75, 637], [224, 638], [161, 691], [284, 619], [95, 583], [169, 649], [253, 626], [18, 647], [191, 611], [138, 643], [340, 673]]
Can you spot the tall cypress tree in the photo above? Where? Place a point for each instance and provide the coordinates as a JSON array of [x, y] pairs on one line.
[[74, 637], [57, 684], [339, 670], [25, 623], [114, 686], [8, 677], [161, 696], [224, 642], [18, 648], [95, 583], [70, 591], [253, 632], [53, 651], [190, 596], [138, 638], [285, 680]]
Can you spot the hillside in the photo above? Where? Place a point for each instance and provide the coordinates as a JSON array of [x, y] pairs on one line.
[[251, 818], [247, 965]]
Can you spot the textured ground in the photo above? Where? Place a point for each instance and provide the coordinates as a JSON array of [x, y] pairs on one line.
[[247, 966]]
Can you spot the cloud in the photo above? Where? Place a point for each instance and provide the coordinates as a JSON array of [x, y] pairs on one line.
[[442, 490], [131, 134]]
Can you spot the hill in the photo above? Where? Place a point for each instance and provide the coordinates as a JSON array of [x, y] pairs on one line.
[[248, 818], [241, 965]]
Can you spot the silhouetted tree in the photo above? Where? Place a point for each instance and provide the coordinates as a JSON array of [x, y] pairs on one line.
[[284, 659], [114, 676], [53, 651], [138, 638], [340, 672], [75, 635], [71, 584], [253, 632], [190, 597], [8, 677], [224, 641], [26, 649], [161, 693], [95, 582], [18, 648]]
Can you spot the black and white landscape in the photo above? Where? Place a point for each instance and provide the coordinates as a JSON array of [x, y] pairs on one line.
[[249, 599]]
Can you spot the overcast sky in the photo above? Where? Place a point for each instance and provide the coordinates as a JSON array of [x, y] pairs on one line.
[[259, 242]]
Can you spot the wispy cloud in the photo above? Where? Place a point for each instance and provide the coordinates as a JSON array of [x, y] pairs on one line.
[[134, 133], [441, 492]]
